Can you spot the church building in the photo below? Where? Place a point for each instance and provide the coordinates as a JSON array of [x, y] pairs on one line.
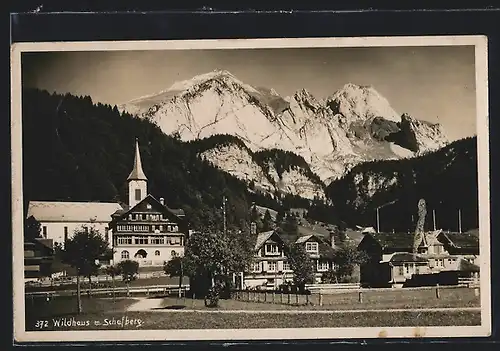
[[146, 230]]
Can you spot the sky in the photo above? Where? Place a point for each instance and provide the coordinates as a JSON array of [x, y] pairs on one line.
[[436, 84]]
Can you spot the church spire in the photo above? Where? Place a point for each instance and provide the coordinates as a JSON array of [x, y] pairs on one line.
[[137, 172]]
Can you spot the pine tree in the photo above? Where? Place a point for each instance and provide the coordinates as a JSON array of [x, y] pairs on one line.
[[267, 222]]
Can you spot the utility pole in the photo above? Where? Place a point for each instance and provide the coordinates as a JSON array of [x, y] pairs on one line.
[[434, 218], [378, 221], [459, 221], [224, 212]]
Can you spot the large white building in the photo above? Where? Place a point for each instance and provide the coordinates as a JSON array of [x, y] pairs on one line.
[[60, 219]]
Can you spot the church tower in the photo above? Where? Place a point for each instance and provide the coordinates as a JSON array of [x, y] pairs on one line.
[[137, 181]]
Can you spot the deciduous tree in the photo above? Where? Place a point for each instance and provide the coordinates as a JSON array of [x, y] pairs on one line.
[[302, 266], [83, 252], [32, 229], [128, 270]]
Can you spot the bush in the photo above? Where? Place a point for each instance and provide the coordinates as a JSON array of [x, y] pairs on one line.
[[212, 298]]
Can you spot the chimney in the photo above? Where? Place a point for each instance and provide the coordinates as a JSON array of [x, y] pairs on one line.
[[332, 239], [162, 201]]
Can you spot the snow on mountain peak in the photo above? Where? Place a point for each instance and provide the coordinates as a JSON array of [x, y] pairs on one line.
[[216, 75], [332, 135], [361, 102]]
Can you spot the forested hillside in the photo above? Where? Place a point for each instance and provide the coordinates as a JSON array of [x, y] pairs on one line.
[[447, 179]]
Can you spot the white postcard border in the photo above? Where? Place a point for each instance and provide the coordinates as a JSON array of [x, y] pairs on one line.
[[481, 64]]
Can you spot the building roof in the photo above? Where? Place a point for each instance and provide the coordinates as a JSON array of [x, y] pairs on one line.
[[324, 248], [137, 172], [303, 239], [466, 266], [262, 238], [400, 257], [394, 240], [462, 240], [61, 211], [430, 238], [354, 236]]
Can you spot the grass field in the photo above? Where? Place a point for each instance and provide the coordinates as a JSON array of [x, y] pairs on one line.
[[99, 309]]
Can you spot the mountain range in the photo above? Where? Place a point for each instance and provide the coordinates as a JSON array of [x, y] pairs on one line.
[[77, 150], [328, 136]]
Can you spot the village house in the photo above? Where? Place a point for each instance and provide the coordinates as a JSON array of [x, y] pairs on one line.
[[146, 230], [440, 257], [270, 267], [321, 252]]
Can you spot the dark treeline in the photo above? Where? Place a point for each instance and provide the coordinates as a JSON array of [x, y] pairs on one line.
[[75, 150], [447, 179]]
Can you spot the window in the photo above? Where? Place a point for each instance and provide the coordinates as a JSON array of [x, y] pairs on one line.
[[125, 255], [144, 216], [407, 268], [438, 249], [157, 253], [148, 206], [157, 241], [286, 266], [174, 241], [106, 234], [272, 249], [137, 194], [141, 241], [312, 247], [255, 267], [65, 234], [322, 266], [272, 266], [401, 270], [124, 240], [44, 230]]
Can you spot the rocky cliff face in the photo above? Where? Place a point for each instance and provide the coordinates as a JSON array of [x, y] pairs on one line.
[[445, 178], [353, 125], [264, 172]]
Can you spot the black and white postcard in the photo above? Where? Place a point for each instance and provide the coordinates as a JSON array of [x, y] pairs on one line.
[[320, 188]]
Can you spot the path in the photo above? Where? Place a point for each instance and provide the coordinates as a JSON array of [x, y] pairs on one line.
[[154, 305], [145, 305]]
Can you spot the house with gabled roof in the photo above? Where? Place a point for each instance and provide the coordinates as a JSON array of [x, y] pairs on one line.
[[392, 261], [321, 252], [147, 230], [269, 268]]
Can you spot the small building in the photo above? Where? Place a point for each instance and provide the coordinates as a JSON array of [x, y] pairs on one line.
[[147, 230], [38, 258], [270, 267]]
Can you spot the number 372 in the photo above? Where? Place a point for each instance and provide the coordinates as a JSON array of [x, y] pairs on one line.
[[41, 324]]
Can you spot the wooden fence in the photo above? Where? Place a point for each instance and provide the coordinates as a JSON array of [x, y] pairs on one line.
[[161, 290], [351, 294]]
